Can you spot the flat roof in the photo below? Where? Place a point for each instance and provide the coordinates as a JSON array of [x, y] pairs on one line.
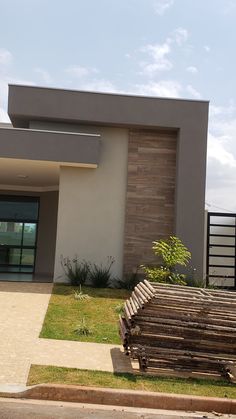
[[31, 103]]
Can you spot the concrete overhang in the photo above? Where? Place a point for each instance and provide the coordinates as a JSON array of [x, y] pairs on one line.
[[71, 149], [27, 103]]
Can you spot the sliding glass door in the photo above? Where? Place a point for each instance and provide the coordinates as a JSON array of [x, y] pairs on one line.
[[18, 233]]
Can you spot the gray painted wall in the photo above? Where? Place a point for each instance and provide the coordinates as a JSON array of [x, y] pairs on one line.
[[47, 230], [61, 147]]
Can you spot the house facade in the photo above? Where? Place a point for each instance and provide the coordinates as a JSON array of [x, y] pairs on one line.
[[98, 175]]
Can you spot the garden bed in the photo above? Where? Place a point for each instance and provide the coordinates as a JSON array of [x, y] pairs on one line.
[[99, 313]]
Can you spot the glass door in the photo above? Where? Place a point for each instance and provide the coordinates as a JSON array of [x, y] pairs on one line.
[[18, 236]]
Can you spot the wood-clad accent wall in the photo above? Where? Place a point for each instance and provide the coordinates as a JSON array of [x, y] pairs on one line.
[[150, 194]]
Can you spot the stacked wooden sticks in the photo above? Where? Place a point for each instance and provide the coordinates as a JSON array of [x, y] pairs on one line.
[[181, 331]]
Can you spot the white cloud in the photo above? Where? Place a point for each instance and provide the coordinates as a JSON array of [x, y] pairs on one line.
[[4, 116], [160, 62], [98, 85], [222, 133], [161, 6], [207, 48], [80, 71], [229, 7], [193, 92], [4, 81], [45, 76], [159, 53], [192, 69], [5, 56], [222, 112], [163, 88], [221, 169], [180, 36], [217, 151]]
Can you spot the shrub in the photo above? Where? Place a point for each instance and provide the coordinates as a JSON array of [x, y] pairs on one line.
[[129, 282], [119, 308], [172, 252], [83, 328], [79, 295], [100, 275], [193, 281], [164, 275], [76, 271]]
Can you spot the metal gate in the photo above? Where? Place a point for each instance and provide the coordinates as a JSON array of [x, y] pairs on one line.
[[221, 250]]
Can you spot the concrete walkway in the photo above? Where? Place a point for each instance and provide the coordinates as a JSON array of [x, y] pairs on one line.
[[83, 355], [22, 310]]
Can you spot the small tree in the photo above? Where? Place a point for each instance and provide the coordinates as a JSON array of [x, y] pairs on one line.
[[172, 253]]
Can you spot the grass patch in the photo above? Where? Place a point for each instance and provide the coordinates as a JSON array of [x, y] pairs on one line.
[[65, 313], [58, 375]]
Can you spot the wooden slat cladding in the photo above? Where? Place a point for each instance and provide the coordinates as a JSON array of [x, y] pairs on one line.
[[150, 193]]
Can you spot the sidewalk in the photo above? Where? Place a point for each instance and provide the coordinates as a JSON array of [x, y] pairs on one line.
[[23, 307], [82, 355]]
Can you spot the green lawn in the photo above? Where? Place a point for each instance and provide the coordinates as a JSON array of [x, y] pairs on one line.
[[65, 313], [47, 374]]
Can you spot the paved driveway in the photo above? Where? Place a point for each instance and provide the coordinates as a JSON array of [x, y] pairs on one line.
[[22, 310]]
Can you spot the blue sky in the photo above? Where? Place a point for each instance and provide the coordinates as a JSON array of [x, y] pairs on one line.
[[172, 48]]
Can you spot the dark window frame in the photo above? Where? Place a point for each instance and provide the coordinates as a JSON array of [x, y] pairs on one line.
[[21, 198]]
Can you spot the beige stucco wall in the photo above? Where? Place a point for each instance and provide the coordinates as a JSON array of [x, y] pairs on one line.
[[91, 211]]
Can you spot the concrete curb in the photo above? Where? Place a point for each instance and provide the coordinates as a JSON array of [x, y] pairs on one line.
[[131, 398]]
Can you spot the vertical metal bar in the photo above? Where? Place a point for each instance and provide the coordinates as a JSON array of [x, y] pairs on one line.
[[208, 249], [235, 253], [21, 245], [35, 245]]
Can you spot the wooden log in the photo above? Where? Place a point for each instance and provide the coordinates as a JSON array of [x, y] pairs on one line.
[[150, 319], [130, 308], [180, 374], [149, 286], [197, 297], [184, 301], [185, 318], [141, 296], [204, 323], [188, 330], [170, 341], [178, 288], [127, 312], [140, 300], [185, 307], [136, 301], [158, 351], [145, 290], [133, 305], [123, 326], [200, 296]]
